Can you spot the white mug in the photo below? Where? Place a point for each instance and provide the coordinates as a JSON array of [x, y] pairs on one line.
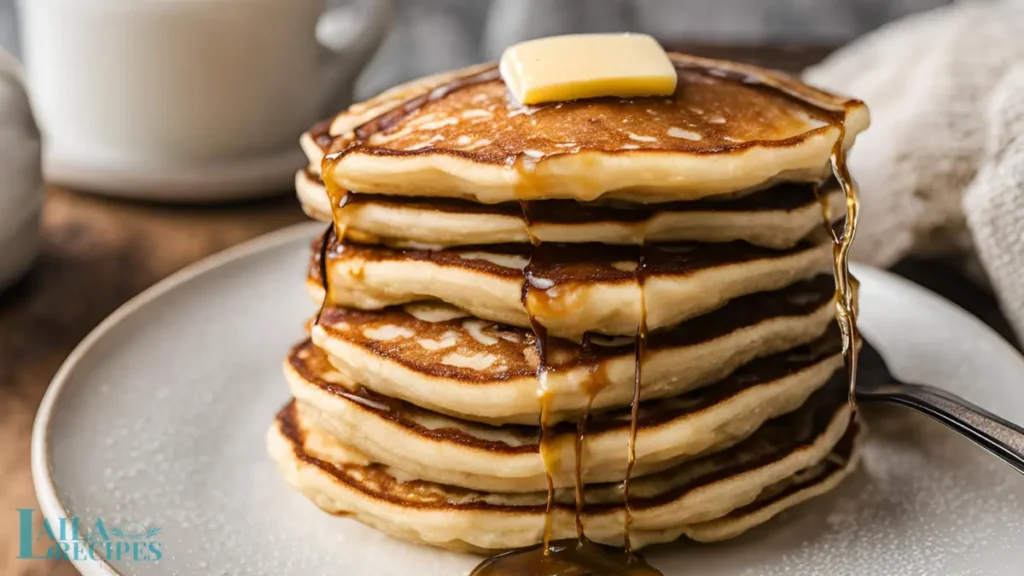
[[188, 99]]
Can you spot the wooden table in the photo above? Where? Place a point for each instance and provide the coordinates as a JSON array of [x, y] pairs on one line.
[[97, 253]]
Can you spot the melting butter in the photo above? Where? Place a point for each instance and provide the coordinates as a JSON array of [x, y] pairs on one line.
[[561, 68]]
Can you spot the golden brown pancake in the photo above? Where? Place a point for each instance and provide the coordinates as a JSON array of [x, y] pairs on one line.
[[568, 289], [777, 217], [436, 357], [758, 471], [507, 458], [318, 139], [729, 128], [670, 247]]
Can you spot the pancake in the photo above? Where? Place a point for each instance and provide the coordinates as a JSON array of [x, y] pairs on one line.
[[436, 357], [729, 128], [318, 139], [774, 499], [343, 481], [572, 288], [312, 195], [796, 489], [777, 217], [507, 458]]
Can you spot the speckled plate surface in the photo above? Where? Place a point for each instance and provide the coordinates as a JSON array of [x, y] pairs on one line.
[[157, 420]]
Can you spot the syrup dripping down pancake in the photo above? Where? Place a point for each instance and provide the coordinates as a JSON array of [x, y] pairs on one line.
[[729, 128], [437, 357], [730, 132], [745, 480], [777, 217], [507, 458], [574, 288]]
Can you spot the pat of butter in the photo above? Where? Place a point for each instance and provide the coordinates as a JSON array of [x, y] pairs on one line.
[[577, 66]]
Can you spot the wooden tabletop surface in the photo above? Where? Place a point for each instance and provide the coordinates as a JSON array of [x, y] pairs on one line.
[[97, 253]]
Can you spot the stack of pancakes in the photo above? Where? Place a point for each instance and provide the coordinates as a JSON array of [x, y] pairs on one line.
[[502, 283]]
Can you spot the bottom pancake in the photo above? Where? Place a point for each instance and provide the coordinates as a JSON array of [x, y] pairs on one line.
[[789, 459]]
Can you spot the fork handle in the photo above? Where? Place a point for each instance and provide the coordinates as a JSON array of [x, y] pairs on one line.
[[1000, 437]]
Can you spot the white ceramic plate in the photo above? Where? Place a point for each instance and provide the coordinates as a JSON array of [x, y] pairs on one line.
[[158, 419]]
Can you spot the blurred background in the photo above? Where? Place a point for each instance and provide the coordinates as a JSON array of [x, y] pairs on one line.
[[198, 119], [432, 35]]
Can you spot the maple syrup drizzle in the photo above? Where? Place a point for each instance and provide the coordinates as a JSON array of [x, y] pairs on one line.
[[581, 431], [639, 351], [567, 556], [580, 556], [338, 198], [549, 506], [336, 149], [524, 166], [321, 263], [392, 117], [525, 206], [846, 287]]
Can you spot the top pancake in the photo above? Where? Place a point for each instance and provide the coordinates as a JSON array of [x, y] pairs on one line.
[[729, 128]]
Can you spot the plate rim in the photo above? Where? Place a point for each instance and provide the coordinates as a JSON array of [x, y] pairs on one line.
[[42, 481], [50, 504]]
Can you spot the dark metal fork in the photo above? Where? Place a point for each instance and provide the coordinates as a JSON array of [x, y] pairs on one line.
[[875, 383]]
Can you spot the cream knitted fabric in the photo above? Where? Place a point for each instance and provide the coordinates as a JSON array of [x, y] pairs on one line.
[[994, 201], [941, 170]]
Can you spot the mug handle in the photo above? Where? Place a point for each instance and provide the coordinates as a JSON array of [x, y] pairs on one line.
[[347, 44], [12, 71], [22, 198]]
